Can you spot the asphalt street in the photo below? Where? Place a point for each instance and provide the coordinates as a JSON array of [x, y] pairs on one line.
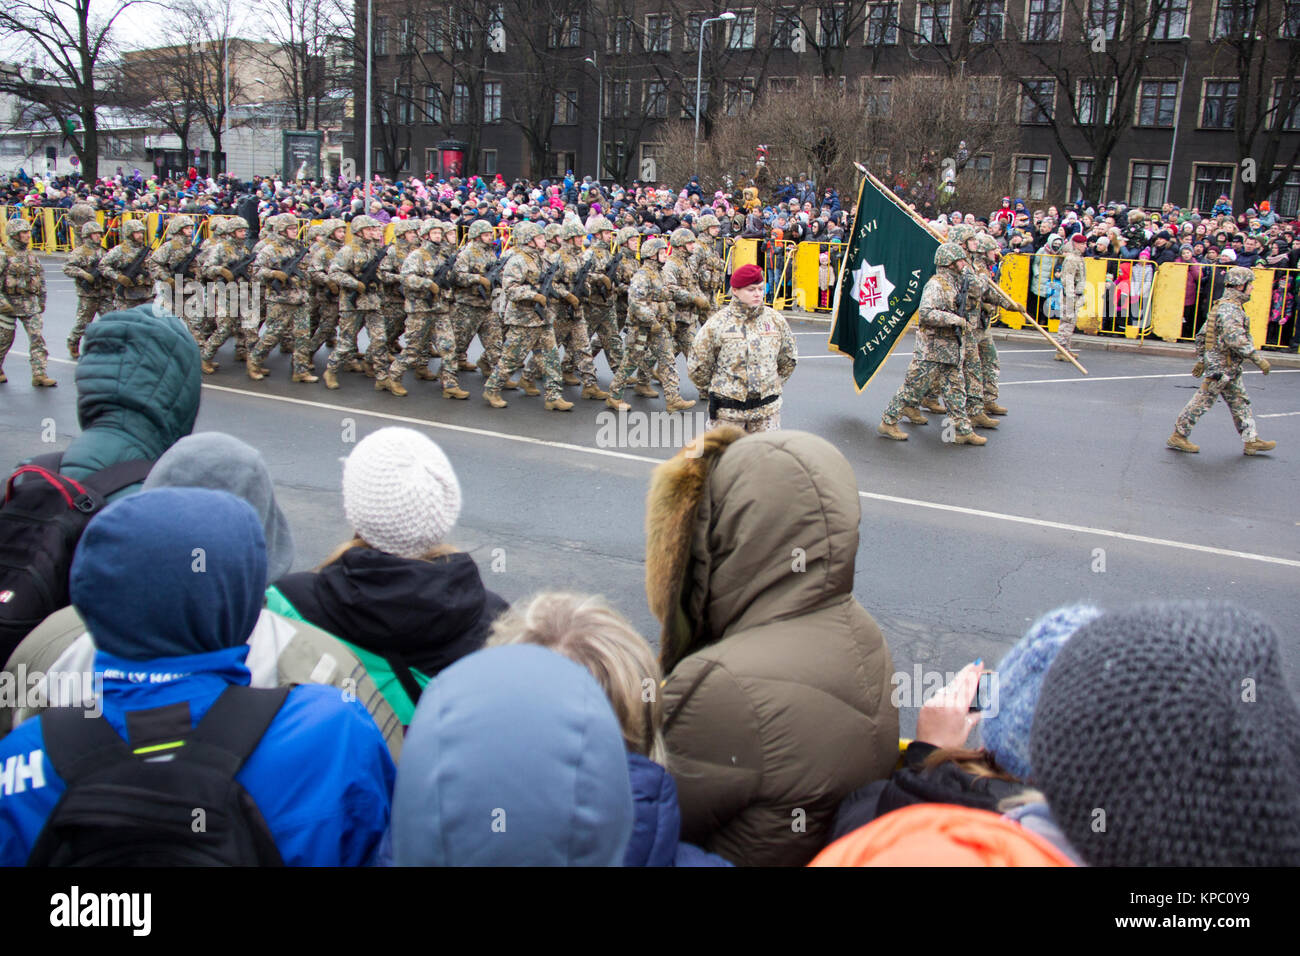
[[1075, 496]]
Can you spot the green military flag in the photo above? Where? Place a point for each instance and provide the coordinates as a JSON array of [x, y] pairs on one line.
[[889, 260]]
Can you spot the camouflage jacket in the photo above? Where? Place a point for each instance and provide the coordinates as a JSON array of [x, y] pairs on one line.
[[1074, 277], [118, 259], [627, 268], [317, 267], [520, 281], [600, 256], [417, 274], [475, 259], [80, 266], [390, 270], [679, 281], [939, 338], [570, 264], [708, 266], [165, 260], [346, 268], [274, 257], [23, 291], [647, 297], [218, 255], [994, 300], [1224, 341], [742, 353]]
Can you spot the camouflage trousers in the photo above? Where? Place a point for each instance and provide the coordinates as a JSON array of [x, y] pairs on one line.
[[284, 319], [572, 336], [921, 375], [683, 334], [327, 324], [751, 420], [88, 306], [989, 368], [227, 327], [648, 348], [394, 311], [124, 299], [520, 340], [1066, 328], [426, 329], [972, 371], [1234, 396], [468, 321], [350, 324], [603, 325], [34, 325]]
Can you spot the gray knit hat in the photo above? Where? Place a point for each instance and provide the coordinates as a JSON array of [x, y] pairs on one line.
[[1166, 735]]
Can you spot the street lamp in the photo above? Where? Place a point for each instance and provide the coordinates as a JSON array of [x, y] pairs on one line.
[[600, 111], [1178, 109], [369, 48], [699, 71]]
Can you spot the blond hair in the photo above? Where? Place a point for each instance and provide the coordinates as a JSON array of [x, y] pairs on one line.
[[585, 629]]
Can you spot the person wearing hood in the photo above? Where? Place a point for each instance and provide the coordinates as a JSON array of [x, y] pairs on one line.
[[777, 695], [405, 601], [173, 641], [535, 732]]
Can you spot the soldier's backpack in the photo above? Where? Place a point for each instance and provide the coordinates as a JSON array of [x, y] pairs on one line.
[[169, 797], [41, 521]]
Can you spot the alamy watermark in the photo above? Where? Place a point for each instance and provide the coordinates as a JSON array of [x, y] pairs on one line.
[[638, 429], [24, 690], [193, 300]]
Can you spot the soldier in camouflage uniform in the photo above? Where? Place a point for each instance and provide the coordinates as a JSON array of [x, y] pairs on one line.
[[224, 302], [329, 238], [164, 263], [630, 240], [994, 301], [567, 317], [601, 307], [690, 305], [708, 267], [286, 307], [1223, 344], [527, 323], [424, 320], [648, 316], [406, 239], [128, 293], [472, 312], [1074, 283], [22, 299], [742, 356], [94, 295], [939, 343], [359, 303]]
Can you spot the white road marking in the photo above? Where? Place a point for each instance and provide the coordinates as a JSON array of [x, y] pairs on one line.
[[1279, 414], [1123, 378]]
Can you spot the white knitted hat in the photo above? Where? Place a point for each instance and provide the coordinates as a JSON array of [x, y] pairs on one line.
[[400, 493]]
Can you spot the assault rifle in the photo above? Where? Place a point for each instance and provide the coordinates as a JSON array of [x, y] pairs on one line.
[[493, 276], [183, 266], [290, 268], [132, 271], [442, 276], [580, 280], [611, 270], [547, 287], [371, 269]]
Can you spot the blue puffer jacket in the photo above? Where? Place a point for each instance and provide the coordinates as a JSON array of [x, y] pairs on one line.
[[657, 829]]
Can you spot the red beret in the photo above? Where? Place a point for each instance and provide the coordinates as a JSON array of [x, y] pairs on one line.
[[746, 276], [1080, 238]]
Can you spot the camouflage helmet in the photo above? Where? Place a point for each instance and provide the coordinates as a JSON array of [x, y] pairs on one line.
[[281, 222], [572, 229], [959, 234], [600, 224], [706, 222], [81, 212], [625, 234], [364, 222], [403, 226], [552, 230], [1238, 277], [89, 228], [17, 224], [987, 243], [525, 233], [681, 237], [652, 246], [477, 228], [332, 226], [176, 224], [316, 230], [948, 254], [127, 229], [428, 225]]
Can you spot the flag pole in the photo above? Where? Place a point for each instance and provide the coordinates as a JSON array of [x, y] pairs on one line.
[[889, 193], [844, 259]]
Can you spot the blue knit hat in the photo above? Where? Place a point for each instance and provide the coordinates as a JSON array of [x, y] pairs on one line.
[[1020, 675]]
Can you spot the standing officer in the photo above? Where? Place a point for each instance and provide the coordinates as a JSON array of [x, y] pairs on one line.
[[1074, 284], [94, 297], [23, 300]]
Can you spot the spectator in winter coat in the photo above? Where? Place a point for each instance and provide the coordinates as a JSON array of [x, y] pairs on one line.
[[321, 776], [591, 633], [777, 696], [406, 602], [1191, 294]]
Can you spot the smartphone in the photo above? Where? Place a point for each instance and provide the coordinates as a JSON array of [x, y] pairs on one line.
[[984, 692]]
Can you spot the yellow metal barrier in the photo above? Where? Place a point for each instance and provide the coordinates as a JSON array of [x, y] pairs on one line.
[[745, 252]]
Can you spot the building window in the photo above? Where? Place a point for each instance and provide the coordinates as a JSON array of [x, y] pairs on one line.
[[830, 25], [433, 103], [566, 108], [1156, 102], [777, 85], [615, 155], [1290, 28], [982, 100], [492, 101], [433, 32], [785, 23], [1043, 21], [980, 167], [688, 99], [932, 21], [1171, 22], [1219, 105], [879, 160], [1106, 16], [460, 103], [659, 33], [1031, 176], [431, 162], [877, 95], [462, 30], [1210, 183], [618, 98], [1080, 184], [404, 160], [1037, 102], [1290, 117], [830, 85], [380, 36], [1146, 186], [882, 24], [987, 20], [742, 30], [566, 31], [487, 161], [1089, 94], [655, 93], [621, 32], [1233, 18], [405, 106], [738, 95], [379, 162], [1286, 201], [691, 31], [652, 157]]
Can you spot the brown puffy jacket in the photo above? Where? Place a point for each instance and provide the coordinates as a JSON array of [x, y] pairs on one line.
[[777, 699]]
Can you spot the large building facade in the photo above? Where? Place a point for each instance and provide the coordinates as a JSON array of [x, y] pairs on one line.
[[1186, 99]]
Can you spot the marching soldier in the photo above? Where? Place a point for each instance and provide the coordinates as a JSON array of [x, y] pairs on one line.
[[648, 316], [939, 342], [219, 261], [360, 302], [690, 305], [406, 239], [708, 267], [566, 314], [527, 322], [22, 299], [424, 319], [286, 309], [128, 256], [1223, 344], [1074, 284], [972, 287], [94, 295], [742, 356], [630, 241], [164, 264], [601, 308], [472, 313], [993, 302], [329, 237]]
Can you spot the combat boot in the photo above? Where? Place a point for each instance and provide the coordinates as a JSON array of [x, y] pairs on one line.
[[331, 379], [465, 366], [494, 399], [74, 349], [1060, 358], [594, 392], [455, 392], [424, 374], [241, 354], [971, 439], [394, 386], [482, 367], [44, 381], [932, 405], [510, 385], [529, 388], [914, 416], [617, 405], [646, 391], [209, 367], [255, 371], [891, 430], [1256, 446], [3, 377], [559, 405], [993, 408], [354, 365], [679, 404], [571, 379], [307, 377], [1180, 443], [981, 420]]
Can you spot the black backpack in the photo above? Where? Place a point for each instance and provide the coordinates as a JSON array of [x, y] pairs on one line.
[[41, 521], [164, 799]]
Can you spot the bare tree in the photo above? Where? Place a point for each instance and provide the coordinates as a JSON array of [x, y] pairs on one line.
[[160, 86], [299, 35]]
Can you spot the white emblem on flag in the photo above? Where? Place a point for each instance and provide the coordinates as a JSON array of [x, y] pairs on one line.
[[872, 289], [6, 597]]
